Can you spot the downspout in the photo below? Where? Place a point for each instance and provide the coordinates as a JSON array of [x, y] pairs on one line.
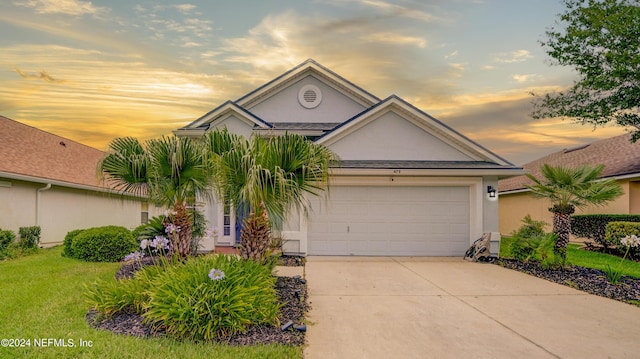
[[40, 190]]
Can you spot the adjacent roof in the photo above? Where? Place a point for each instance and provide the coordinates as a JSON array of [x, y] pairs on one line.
[[619, 156], [32, 154]]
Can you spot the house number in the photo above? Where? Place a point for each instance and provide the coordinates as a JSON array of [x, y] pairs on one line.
[[396, 171]]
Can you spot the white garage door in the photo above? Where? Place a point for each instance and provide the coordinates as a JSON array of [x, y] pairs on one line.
[[398, 221]]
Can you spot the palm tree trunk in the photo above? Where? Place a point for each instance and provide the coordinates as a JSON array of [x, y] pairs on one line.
[[179, 226], [562, 228]]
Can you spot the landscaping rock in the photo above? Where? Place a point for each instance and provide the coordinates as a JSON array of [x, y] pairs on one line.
[[589, 280]]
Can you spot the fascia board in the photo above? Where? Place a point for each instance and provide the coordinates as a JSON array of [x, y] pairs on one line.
[[25, 178], [501, 173]]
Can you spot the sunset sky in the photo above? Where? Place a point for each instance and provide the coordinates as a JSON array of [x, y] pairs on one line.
[[94, 70]]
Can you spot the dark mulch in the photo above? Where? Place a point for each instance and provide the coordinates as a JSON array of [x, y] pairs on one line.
[[585, 279], [292, 291]]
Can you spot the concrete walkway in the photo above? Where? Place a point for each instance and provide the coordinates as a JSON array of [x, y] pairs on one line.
[[448, 308]]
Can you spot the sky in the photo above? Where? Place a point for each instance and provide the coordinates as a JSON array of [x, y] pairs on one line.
[[92, 71]]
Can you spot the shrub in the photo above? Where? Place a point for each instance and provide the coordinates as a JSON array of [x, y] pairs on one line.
[[127, 295], [6, 238], [208, 297], [103, 244], [67, 244], [212, 297], [530, 228], [539, 248], [615, 231], [150, 230], [592, 226], [29, 237]]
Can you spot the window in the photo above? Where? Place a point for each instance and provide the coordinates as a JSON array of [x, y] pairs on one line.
[[144, 212], [226, 224]]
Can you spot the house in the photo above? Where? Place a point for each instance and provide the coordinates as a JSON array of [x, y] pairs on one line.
[[407, 185], [621, 160], [51, 182]]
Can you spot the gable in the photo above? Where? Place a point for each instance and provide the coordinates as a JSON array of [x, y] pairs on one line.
[[391, 137], [234, 124], [326, 104], [396, 130]]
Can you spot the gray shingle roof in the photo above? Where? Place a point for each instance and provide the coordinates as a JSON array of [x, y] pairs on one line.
[[619, 156]]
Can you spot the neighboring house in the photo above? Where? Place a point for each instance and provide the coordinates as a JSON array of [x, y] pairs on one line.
[[621, 159], [408, 185], [51, 182]]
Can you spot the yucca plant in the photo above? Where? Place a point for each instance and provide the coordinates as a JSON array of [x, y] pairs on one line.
[[570, 188]]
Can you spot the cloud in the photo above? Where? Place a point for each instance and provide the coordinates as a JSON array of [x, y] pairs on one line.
[[452, 55], [395, 39], [506, 127], [66, 7], [41, 75], [525, 78], [513, 56], [398, 10]]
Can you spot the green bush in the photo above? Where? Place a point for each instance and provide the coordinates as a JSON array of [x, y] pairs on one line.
[[189, 300], [6, 238], [127, 295], [149, 230], [103, 244], [614, 231], [530, 228], [539, 248], [29, 237], [592, 226], [67, 244], [187, 303]]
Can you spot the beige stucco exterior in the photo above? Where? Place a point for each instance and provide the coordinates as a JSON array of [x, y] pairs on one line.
[[514, 207], [58, 209]]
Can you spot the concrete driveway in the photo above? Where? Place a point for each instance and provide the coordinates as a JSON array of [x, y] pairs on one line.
[[448, 308]]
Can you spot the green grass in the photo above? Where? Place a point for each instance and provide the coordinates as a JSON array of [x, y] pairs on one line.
[[42, 297], [582, 258]]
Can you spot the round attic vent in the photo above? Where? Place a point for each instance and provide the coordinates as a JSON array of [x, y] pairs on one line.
[[309, 96]]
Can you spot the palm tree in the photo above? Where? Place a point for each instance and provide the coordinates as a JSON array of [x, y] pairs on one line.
[[273, 173], [570, 188], [170, 171]]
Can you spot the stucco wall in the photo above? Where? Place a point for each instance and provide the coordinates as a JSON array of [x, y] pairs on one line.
[[284, 106], [391, 137], [64, 209], [514, 207]]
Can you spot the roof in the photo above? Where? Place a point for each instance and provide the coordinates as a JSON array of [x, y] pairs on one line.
[[42, 156], [384, 164], [619, 156]]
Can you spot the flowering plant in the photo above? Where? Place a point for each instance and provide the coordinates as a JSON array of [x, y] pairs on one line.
[[614, 275], [216, 274]]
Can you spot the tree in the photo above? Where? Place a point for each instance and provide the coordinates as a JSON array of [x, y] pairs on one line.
[[272, 173], [600, 39], [170, 171], [570, 188]]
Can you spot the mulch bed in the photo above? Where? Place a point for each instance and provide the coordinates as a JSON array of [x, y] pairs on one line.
[[292, 291], [589, 280]]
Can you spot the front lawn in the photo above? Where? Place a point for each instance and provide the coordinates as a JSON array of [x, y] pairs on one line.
[[584, 258], [43, 304]]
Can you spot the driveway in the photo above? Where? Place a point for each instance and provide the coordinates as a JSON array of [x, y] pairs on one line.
[[371, 307]]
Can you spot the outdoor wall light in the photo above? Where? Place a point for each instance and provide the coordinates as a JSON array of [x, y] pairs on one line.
[[492, 192]]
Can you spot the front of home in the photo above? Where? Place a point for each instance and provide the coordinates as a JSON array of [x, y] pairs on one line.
[[407, 184]]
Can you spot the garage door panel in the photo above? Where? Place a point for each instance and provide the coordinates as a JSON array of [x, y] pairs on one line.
[[391, 221]]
